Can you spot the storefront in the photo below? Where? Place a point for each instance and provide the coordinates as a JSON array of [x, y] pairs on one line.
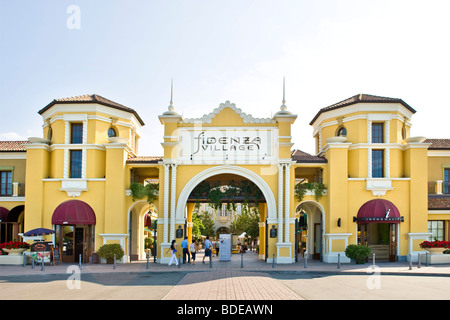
[[378, 227], [74, 223]]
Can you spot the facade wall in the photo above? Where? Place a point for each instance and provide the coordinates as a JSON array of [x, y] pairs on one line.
[[347, 174]]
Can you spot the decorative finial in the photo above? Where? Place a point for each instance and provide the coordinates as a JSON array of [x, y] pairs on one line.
[[283, 106], [171, 107]]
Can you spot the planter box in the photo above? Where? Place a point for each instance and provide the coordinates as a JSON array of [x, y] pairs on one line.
[[11, 260], [435, 258]]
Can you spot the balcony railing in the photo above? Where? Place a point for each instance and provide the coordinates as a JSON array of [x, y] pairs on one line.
[[14, 190], [439, 187]]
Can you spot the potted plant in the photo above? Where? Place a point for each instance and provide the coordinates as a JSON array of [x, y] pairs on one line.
[[358, 253], [107, 252], [14, 247], [148, 244], [435, 246]]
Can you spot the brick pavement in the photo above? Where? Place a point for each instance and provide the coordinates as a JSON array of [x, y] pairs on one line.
[[230, 285]]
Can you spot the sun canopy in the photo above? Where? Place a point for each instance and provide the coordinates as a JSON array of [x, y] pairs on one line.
[[73, 212], [378, 211], [38, 232]]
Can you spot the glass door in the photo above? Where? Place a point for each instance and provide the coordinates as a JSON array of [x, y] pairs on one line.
[[393, 242], [64, 239]]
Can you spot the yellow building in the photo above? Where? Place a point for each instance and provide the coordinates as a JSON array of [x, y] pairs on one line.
[[369, 181]]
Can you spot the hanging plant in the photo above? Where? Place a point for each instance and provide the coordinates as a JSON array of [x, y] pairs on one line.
[[301, 189], [139, 191]]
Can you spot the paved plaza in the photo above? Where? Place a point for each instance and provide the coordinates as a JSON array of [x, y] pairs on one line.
[[242, 278]]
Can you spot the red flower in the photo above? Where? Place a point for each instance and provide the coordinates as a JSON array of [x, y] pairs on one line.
[[435, 244], [14, 245]]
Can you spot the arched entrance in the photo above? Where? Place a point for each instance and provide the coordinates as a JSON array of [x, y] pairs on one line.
[[141, 230], [378, 223], [11, 223], [236, 172], [74, 222], [309, 236]]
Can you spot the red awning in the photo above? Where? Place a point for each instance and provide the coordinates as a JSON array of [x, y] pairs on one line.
[[3, 214], [378, 211], [73, 212]]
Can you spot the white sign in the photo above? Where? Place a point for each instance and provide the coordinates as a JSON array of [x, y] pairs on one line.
[[231, 145], [225, 247]]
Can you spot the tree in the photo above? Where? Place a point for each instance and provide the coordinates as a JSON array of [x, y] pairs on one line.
[[197, 225], [247, 221], [207, 228]]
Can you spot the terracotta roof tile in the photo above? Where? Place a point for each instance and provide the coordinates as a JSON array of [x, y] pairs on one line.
[[438, 144], [13, 146], [361, 98], [92, 98], [303, 157], [439, 202], [145, 159]]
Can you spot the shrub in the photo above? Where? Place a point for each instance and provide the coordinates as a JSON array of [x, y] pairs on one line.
[[107, 251], [358, 253]]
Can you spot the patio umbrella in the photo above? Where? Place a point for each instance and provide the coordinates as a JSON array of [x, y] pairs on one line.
[[38, 232]]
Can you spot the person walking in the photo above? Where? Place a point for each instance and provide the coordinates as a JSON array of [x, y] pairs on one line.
[[173, 256], [193, 249], [207, 249], [185, 246]]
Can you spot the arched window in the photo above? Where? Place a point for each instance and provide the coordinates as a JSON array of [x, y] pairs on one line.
[[112, 132], [341, 132]]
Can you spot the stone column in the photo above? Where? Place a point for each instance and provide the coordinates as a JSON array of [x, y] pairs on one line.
[[166, 203], [287, 206], [280, 203], [172, 201]]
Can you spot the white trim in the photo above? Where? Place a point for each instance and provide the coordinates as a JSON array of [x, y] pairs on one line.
[[247, 118], [438, 211], [12, 199], [13, 155]]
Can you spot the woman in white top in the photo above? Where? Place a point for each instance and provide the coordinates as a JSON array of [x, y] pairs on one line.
[[193, 250]]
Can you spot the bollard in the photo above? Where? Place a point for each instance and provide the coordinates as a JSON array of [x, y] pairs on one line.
[[373, 258], [24, 259], [79, 261], [418, 261], [114, 266], [273, 261], [339, 261], [179, 260], [306, 259], [426, 258], [210, 261], [242, 260], [147, 262], [42, 264], [32, 262], [410, 262]]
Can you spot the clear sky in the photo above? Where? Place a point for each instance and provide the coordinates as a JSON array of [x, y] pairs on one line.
[[236, 50]]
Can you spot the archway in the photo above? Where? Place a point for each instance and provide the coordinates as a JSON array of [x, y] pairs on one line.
[[269, 211], [312, 228], [239, 171], [140, 215]]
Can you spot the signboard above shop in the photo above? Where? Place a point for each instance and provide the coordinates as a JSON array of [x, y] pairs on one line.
[[229, 145]]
